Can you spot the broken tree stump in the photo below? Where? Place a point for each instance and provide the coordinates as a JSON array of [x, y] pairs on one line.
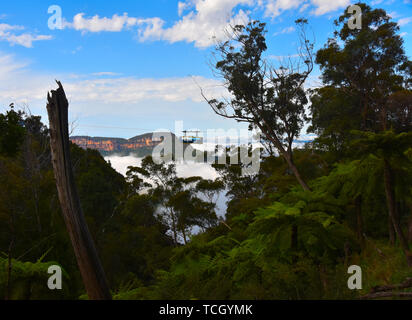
[[91, 270]]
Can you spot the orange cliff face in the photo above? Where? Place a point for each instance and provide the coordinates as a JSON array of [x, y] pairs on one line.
[[115, 144], [105, 145]]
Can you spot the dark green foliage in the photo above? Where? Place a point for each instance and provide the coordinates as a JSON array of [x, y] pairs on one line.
[[176, 199], [135, 243], [11, 132], [366, 82], [100, 188], [29, 281], [260, 265], [31, 222], [158, 234]]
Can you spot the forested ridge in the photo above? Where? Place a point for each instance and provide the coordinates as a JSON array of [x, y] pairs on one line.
[[290, 231]]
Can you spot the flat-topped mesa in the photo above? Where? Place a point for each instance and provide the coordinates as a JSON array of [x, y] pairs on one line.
[[113, 145]]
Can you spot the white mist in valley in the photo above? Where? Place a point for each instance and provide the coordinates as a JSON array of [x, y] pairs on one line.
[[184, 169]]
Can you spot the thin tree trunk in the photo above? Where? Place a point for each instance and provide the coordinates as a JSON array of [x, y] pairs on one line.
[[390, 199], [9, 269], [174, 227], [9, 258], [391, 230], [359, 219], [286, 155], [294, 242], [92, 272], [184, 236], [410, 225], [323, 278], [297, 174]]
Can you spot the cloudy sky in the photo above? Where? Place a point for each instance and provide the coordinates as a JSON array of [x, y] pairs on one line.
[[133, 66]]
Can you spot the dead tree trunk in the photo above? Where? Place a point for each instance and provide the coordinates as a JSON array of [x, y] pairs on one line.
[[91, 270]]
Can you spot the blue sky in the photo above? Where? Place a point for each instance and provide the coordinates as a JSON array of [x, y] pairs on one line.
[[130, 66]]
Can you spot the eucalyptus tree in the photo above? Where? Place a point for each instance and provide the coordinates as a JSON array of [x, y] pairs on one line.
[[177, 199], [271, 99], [367, 80], [366, 76]]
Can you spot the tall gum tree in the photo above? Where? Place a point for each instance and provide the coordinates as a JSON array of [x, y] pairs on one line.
[[271, 99], [368, 67]]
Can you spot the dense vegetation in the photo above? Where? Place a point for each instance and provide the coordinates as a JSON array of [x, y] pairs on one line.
[[290, 231]]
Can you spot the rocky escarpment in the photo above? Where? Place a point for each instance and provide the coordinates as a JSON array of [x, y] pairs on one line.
[[142, 144]]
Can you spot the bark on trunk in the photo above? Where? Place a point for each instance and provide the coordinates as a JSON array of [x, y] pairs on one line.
[[410, 225], [390, 199], [391, 230], [9, 270], [184, 236], [288, 157], [297, 174], [91, 270], [359, 220], [294, 243], [174, 228]]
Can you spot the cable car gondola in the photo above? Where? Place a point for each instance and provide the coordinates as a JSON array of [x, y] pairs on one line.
[[189, 139]]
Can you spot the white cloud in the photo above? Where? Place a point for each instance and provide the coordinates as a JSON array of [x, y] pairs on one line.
[[275, 7], [325, 6], [183, 6], [393, 15], [183, 169], [285, 31], [204, 21], [26, 39], [201, 22], [207, 22], [121, 163], [404, 21], [9, 66], [132, 90], [151, 29], [7, 33], [96, 24], [105, 73], [281, 58], [6, 27], [112, 101], [18, 84], [304, 7]]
